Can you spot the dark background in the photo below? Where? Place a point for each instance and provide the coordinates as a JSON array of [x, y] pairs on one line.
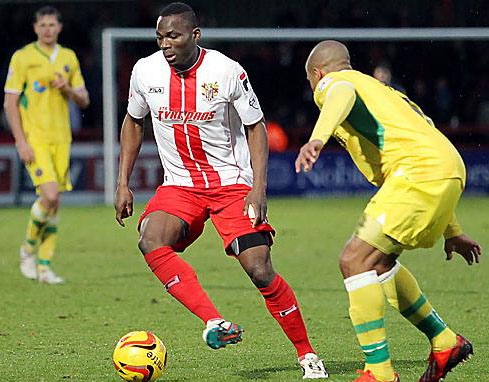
[[448, 79]]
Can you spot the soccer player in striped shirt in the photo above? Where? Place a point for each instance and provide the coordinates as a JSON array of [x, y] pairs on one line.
[[201, 103]]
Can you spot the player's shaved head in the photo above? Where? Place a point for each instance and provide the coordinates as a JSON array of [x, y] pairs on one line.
[[327, 56]]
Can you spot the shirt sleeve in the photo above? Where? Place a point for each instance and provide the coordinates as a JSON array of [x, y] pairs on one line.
[[244, 98], [137, 106], [453, 229], [335, 101], [16, 75], [76, 81]]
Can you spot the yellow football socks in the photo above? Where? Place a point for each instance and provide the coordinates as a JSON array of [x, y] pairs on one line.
[[403, 293], [367, 309], [48, 242], [37, 221]]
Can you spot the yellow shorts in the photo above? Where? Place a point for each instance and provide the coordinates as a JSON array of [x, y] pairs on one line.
[[51, 164], [407, 215]]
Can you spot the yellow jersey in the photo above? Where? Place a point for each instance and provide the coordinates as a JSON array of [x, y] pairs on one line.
[[43, 109], [383, 130]]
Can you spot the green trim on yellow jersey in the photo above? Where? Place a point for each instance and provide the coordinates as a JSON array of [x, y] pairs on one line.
[[385, 133], [365, 123], [23, 98], [41, 51]]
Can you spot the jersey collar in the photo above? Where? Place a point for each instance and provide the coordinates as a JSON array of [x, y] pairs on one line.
[[194, 67], [52, 56]]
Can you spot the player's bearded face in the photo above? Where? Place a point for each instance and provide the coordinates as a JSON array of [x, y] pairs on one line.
[[178, 41]]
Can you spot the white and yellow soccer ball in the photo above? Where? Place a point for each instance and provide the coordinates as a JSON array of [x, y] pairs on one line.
[[140, 356]]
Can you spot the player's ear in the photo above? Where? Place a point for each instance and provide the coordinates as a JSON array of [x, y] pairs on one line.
[[197, 35], [318, 73]]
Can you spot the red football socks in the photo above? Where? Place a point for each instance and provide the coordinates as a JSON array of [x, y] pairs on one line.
[[283, 306], [181, 282]]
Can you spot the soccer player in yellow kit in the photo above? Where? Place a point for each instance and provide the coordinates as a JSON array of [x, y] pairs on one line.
[[421, 177], [42, 78]]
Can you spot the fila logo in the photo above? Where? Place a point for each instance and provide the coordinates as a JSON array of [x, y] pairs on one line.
[[244, 81], [156, 90]]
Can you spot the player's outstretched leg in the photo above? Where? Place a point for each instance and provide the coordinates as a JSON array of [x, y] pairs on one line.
[[441, 362], [219, 333], [182, 283], [447, 349]]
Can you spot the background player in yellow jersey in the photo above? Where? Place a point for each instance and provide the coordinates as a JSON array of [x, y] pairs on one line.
[[43, 77], [421, 177]]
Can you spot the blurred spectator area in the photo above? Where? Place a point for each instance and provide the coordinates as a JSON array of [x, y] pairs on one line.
[[448, 79]]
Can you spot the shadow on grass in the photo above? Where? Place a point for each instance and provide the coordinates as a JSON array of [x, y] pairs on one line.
[[344, 369], [264, 373]]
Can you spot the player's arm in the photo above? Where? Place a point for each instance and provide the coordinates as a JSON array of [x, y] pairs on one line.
[[258, 144], [11, 106], [457, 241], [338, 103], [131, 140]]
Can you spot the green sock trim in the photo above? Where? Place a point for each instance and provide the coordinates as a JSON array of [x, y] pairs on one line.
[[38, 224], [415, 307], [31, 242], [432, 325], [376, 353], [50, 229], [44, 262], [368, 326]]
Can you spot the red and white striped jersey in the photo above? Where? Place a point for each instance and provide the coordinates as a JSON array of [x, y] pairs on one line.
[[198, 118]]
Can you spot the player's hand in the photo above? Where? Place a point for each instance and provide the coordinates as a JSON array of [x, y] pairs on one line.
[[469, 249], [26, 153], [308, 155], [255, 206], [123, 204], [60, 83]]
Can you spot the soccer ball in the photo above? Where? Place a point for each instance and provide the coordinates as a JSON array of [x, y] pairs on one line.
[[140, 356]]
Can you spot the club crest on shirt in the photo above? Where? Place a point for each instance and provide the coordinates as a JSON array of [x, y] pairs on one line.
[[39, 86], [66, 68], [210, 90]]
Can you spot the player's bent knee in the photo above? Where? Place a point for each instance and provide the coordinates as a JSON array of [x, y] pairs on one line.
[[351, 260], [147, 244], [261, 275], [50, 200]]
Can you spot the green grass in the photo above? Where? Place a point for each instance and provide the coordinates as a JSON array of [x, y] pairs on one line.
[[67, 333]]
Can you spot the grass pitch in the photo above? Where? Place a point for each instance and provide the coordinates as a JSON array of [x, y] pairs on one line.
[[68, 332]]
